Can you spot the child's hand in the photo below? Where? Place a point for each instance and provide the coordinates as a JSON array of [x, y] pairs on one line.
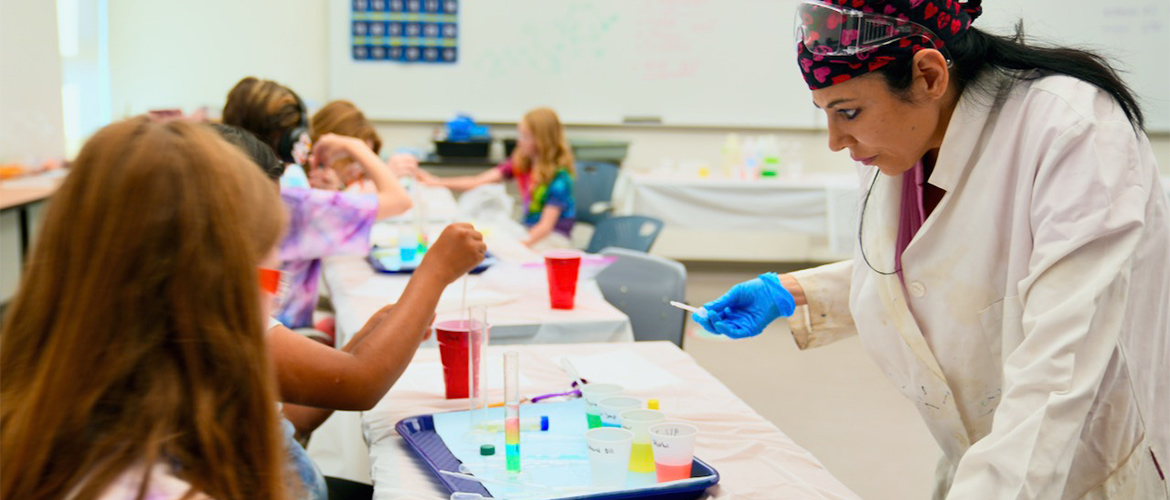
[[403, 165], [456, 252], [332, 147], [426, 178], [325, 178]]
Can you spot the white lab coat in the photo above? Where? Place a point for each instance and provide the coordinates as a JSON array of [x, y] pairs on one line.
[[1032, 329]]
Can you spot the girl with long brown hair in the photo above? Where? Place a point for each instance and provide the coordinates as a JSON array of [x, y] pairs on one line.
[[134, 360], [542, 165]]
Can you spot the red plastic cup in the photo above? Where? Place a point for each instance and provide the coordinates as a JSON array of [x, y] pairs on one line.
[[563, 267], [453, 349]]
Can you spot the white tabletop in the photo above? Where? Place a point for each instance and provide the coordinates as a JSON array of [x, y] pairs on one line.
[[754, 458], [515, 291]]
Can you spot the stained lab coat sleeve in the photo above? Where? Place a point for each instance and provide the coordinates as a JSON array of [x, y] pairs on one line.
[[1086, 215], [826, 318]]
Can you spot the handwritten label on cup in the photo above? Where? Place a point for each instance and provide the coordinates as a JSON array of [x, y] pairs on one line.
[[604, 450]]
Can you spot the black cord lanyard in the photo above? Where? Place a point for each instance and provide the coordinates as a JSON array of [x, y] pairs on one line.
[[861, 230]]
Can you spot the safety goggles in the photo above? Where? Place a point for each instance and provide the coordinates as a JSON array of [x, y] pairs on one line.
[[832, 30]]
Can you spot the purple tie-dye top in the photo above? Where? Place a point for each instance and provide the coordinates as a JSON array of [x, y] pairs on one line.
[[320, 224]]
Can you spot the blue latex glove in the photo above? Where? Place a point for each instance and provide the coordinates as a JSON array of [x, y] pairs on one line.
[[746, 309]]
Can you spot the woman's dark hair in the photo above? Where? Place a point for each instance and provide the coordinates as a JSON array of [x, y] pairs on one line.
[[978, 51], [252, 146]]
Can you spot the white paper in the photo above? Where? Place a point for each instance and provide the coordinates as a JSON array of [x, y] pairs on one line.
[[625, 368]]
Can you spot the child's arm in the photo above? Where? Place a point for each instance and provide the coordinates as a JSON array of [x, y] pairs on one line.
[[545, 226], [392, 198], [463, 183], [358, 375]]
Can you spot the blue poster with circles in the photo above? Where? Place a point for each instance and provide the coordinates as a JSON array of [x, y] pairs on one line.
[[406, 31]]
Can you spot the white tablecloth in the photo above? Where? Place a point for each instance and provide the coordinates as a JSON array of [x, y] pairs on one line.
[[819, 206], [515, 290], [518, 310], [437, 203], [754, 458]]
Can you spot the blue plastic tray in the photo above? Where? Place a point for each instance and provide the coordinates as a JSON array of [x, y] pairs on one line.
[[387, 260], [419, 433]]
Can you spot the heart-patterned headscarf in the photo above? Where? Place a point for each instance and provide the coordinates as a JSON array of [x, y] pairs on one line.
[[947, 19]]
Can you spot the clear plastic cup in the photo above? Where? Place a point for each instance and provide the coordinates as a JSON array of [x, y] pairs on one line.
[[594, 393], [674, 450], [611, 409], [609, 455], [639, 422]]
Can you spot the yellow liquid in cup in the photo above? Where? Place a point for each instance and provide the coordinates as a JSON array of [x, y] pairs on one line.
[[642, 457]]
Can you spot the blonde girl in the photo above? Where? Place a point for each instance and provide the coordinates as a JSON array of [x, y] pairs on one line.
[[542, 165]]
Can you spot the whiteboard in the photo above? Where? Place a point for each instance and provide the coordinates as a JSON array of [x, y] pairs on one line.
[[685, 62], [715, 63], [1133, 34]]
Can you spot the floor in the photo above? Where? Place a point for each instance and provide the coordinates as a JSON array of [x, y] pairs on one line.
[[832, 400]]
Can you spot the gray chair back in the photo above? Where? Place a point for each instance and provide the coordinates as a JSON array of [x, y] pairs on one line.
[[642, 286], [633, 232], [593, 190]]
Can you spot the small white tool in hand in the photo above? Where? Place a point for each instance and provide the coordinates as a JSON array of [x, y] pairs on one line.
[[697, 310]]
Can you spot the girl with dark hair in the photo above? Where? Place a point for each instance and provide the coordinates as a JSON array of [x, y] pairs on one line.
[[1012, 271]]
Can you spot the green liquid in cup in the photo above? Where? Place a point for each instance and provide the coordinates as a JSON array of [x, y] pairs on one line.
[[594, 421]]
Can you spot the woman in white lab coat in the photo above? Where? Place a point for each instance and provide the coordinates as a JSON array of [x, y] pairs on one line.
[[1012, 272]]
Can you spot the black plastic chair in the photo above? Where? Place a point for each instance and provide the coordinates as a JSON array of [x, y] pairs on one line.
[[634, 232], [593, 190], [642, 286]]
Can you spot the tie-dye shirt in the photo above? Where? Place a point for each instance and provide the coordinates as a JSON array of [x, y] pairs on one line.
[[320, 224], [558, 193]]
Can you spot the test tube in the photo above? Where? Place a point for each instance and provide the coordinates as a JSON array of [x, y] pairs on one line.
[[478, 332], [512, 410]]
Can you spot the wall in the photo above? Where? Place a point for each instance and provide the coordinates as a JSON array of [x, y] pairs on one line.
[[187, 54], [221, 41], [31, 123]]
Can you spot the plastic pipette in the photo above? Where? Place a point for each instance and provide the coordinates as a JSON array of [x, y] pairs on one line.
[[697, 310], [572, 371]]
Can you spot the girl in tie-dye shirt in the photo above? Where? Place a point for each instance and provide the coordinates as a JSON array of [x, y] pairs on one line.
[[542, 165]]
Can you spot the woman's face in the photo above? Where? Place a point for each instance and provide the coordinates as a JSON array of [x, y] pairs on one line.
[[525, 142], [878, 127]]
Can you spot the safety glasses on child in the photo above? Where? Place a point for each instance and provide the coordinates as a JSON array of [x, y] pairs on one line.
[[832, 30]]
